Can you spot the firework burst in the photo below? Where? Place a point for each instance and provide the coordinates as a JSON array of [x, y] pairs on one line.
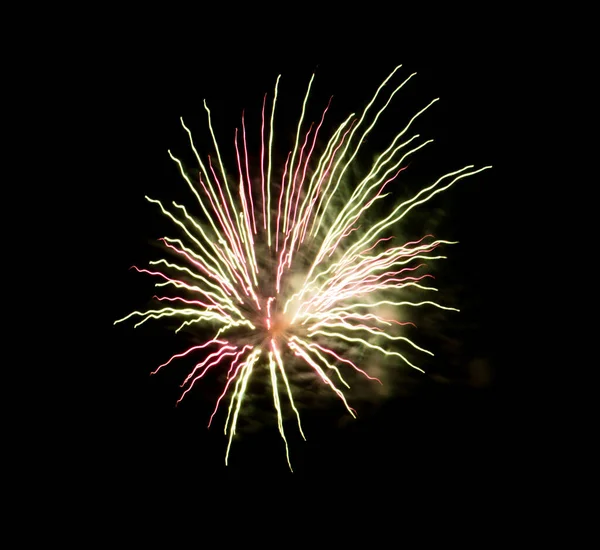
[[286, 275]]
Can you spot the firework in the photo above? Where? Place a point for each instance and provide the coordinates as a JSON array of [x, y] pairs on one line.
[[285, 274]]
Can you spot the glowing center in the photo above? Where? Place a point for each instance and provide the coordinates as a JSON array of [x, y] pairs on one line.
[[279, 324]]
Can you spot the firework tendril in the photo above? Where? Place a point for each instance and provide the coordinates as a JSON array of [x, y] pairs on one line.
[[285, 274]]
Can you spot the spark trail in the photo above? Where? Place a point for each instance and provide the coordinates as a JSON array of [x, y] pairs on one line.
[[285, 276]]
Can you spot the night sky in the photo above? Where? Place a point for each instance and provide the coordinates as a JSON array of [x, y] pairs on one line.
[[445, 425]]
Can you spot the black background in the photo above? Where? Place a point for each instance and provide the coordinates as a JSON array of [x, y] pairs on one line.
[[450, 427]]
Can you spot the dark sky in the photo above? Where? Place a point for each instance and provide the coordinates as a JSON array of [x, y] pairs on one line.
[[446, 426]]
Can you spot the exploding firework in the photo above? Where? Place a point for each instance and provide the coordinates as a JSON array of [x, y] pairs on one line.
[[288, 277]]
